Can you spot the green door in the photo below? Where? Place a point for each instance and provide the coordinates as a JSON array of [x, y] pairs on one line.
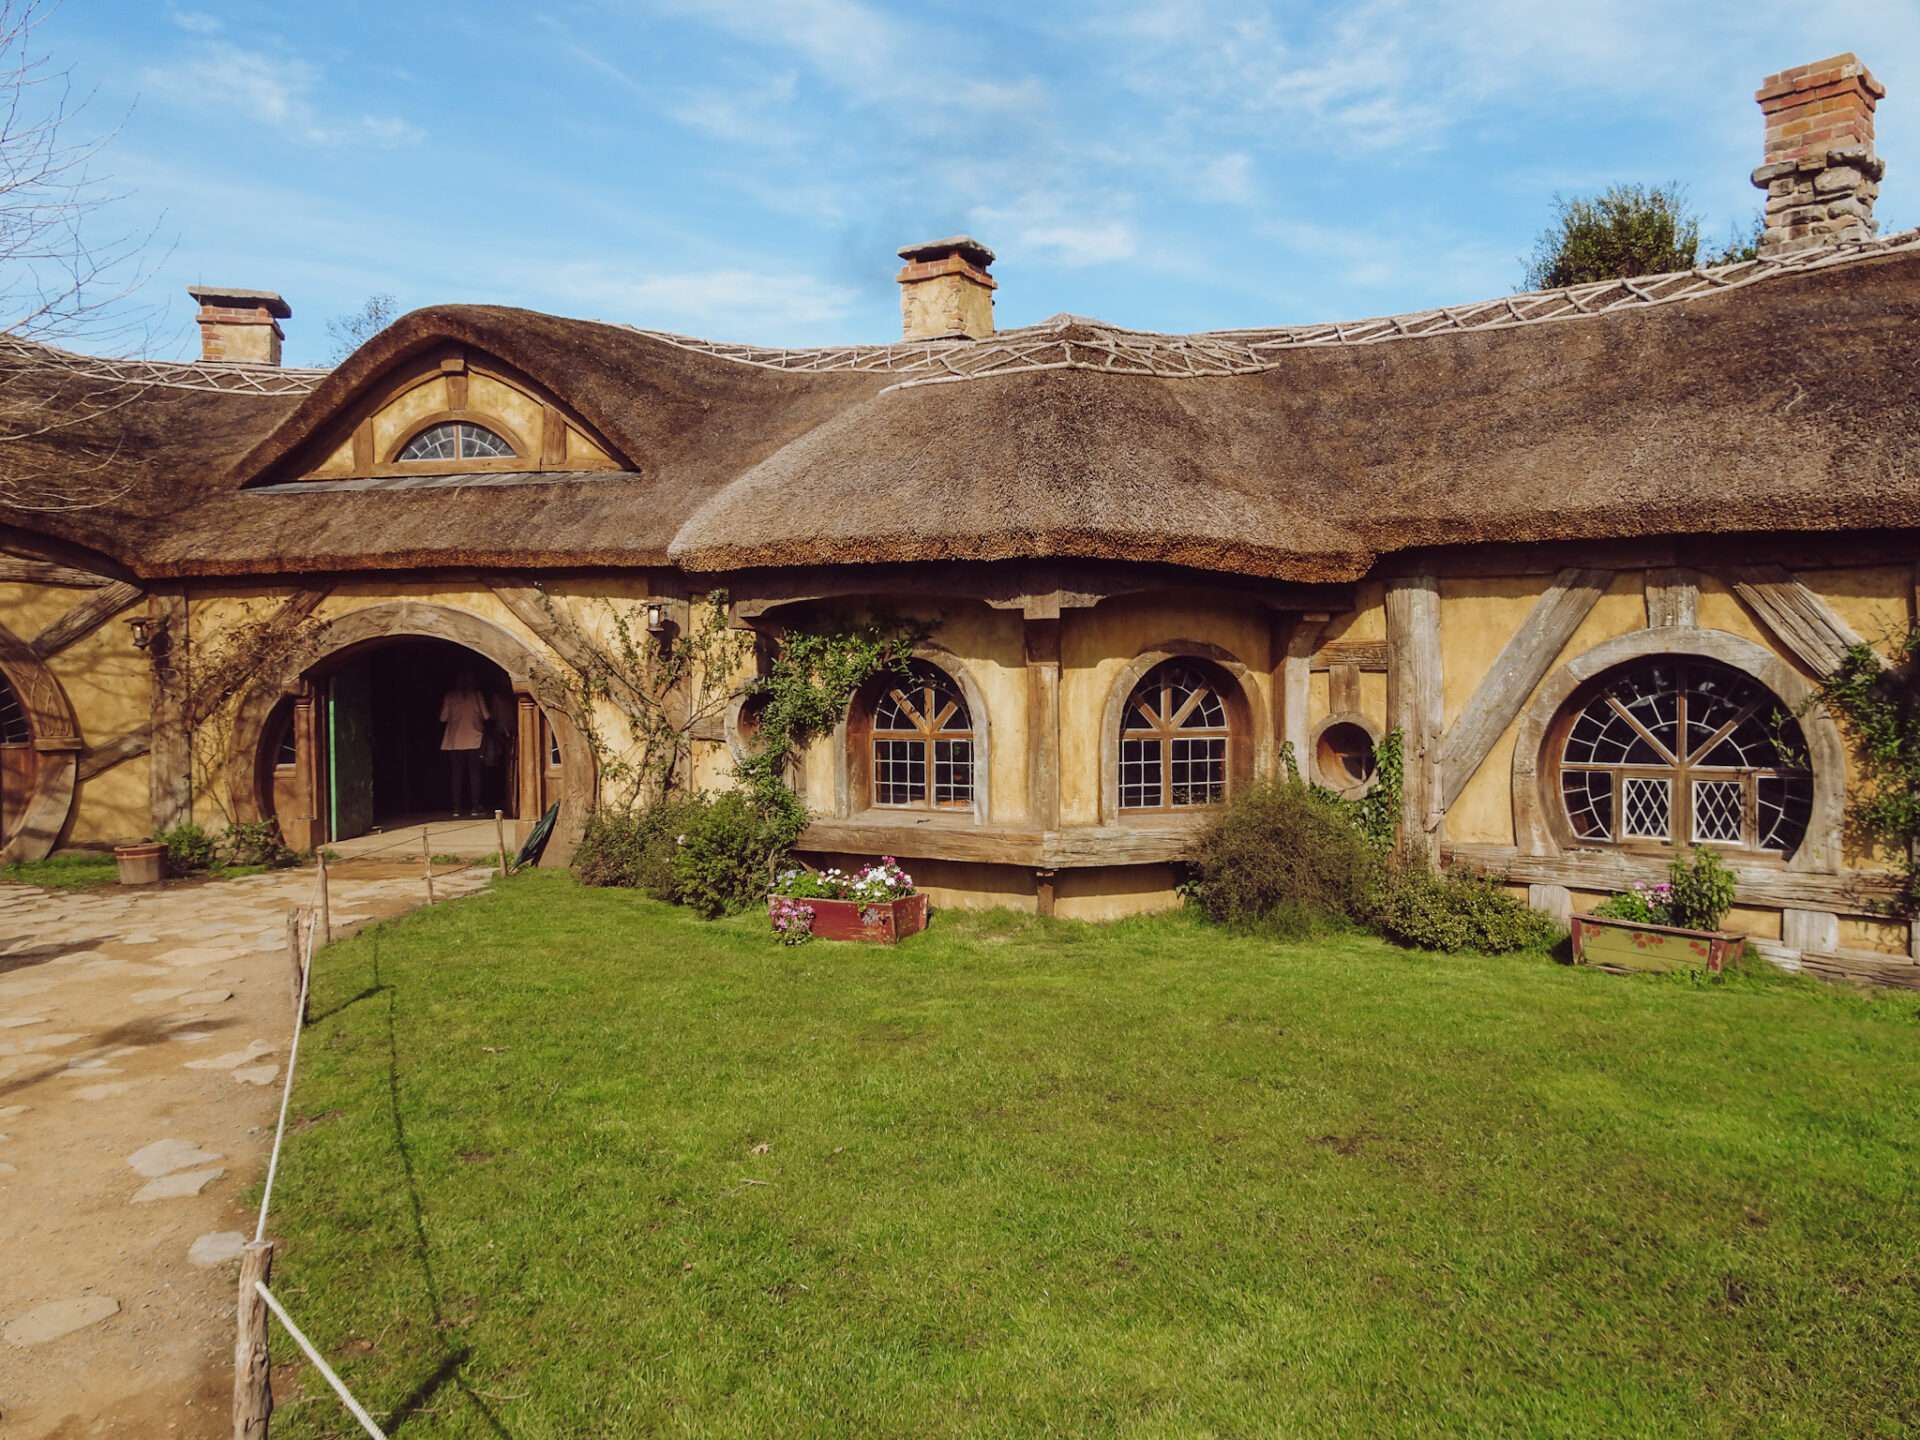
[[350, 752]]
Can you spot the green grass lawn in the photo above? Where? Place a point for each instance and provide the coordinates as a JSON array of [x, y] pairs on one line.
[[572, 1163], [72, 871]]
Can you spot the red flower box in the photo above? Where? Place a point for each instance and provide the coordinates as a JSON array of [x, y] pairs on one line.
[[883, 923], [1628, 945]]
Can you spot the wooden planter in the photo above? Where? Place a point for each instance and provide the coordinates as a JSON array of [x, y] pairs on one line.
[[144, 864], [850, 920], [1627, 945]]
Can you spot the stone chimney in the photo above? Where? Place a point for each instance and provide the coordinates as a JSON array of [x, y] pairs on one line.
[[945, 291], [1821, 175], [240, 326]]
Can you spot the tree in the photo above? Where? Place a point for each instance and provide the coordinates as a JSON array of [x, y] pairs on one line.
[[1743, 241], [1626, 230], [61, 280], [350, 332]]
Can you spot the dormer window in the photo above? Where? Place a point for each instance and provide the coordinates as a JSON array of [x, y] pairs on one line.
[[452, 440]]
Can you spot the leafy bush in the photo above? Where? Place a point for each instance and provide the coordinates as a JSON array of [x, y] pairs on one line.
[[190, 849], [724, 860], [1702, 891], [255, 842], [1459, 911], [632, 849], [1286, 860]]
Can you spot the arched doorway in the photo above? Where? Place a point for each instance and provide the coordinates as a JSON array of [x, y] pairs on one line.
[[346, 736]]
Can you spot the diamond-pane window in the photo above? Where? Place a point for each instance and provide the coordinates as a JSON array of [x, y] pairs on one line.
[[1684, 751], [923, 742], [1174, 734]]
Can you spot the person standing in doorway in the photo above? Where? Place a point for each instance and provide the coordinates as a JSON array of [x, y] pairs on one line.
[[464, 709]]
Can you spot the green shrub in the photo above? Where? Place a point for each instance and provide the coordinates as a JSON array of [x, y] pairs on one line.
[[724, 860], [190, 849], [1647, 904], [633, 849], [1284, 859], [1702, 891], [1459, 911], [255, 842]]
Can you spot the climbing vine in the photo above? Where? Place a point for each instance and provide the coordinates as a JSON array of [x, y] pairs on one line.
[[1878, 704], [812, 680], [1376, 814]]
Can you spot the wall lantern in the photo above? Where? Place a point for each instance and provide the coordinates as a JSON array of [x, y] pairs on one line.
[[656, 619], [143, 631]]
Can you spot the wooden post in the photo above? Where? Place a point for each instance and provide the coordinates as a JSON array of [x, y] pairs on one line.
[[252, 1374], [426, 862], [1043, 719], [1043, 892], [296, 961], [500, 837], [1415, 708], [326, 914]]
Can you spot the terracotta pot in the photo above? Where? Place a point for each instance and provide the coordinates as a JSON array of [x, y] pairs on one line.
[[1627, 945], [850, 920], [144, 864]]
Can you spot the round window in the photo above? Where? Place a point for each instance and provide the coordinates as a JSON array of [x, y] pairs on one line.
[[1344, 758]]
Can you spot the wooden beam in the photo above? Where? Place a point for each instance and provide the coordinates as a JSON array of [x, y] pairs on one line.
[[1043, 726], [1861, 893], [1077, 847], [1801, 620], [1416, 705], [1673, 599], [43, 572], [101, 758], [1295, 687], [1368, 655], [1343, 689], [85, 618], [1520, 666]]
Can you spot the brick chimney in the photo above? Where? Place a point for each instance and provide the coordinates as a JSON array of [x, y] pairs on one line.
[[945, 291], [1821, 175], [240, 326]]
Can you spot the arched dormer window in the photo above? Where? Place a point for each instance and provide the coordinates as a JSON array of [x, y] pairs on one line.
[[1174, 740], [452, 440], [918, 743]]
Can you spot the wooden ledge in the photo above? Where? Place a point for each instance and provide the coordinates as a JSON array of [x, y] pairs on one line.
[[939, 837]]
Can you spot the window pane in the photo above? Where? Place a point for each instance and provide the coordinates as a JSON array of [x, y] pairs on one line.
[[1139, 774], [1646, 807], [1786, 805], [899, 772], [953, 772], [1717, 807], [1199, 771], [13, 717], [479, 443], [1589, 797]]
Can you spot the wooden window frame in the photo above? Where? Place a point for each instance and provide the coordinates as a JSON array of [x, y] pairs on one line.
[[865, 738], [1683, 771], [1167, 729]]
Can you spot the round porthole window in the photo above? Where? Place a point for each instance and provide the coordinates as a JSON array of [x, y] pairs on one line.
[[1344, 758]]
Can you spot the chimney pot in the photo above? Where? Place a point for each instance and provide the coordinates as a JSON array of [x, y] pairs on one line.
[[1820, 175], [240, 327], [945, 290]]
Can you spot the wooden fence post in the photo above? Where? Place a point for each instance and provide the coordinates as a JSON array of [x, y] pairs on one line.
[[296, 960], [252, 1373], [426, 862], [500, 838], [326, 915]]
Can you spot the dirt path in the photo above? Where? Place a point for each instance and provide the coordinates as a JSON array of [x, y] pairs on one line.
[[142, 1038]]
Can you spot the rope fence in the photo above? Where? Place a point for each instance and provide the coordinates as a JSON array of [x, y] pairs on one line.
[[252, 1379]]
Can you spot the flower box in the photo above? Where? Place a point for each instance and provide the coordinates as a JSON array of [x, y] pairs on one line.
[[144, 864], [882, 922], [1629, 945]]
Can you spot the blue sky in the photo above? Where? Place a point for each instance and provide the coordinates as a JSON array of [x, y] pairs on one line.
[[746, 170]]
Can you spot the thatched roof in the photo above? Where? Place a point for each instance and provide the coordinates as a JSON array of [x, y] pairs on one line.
[[1769, 397]]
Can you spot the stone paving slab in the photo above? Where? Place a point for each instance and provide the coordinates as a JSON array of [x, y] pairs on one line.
[[142, 1038]]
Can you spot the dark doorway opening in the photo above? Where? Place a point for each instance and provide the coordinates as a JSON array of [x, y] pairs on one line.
[[384, 760]]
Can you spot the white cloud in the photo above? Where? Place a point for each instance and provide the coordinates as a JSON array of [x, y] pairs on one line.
[[1041, 227], [1227, 178], [274, 90], [195, 22]]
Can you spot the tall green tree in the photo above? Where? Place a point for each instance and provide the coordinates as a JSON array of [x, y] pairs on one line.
[[1625, 230]]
